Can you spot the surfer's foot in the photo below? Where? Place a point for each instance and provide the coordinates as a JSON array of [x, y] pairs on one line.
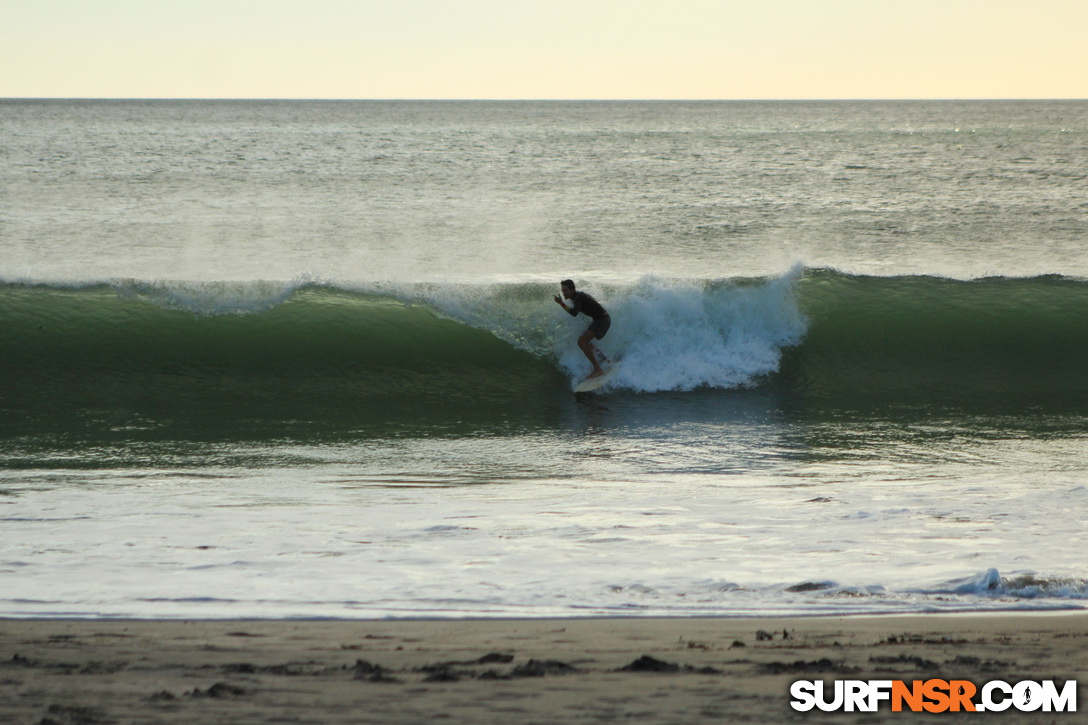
[[595, 374]]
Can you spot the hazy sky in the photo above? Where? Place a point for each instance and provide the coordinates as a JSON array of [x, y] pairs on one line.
[[544, 48]]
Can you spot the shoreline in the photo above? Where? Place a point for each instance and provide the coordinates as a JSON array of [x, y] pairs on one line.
[[317, 619], [594, 669]]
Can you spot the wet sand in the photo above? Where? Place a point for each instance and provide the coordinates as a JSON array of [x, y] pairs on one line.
[[669, 670]]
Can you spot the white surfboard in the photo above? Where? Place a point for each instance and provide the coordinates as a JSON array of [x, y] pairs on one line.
[[593, 383]]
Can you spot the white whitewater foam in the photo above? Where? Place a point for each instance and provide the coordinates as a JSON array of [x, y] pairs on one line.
[[685, 335]]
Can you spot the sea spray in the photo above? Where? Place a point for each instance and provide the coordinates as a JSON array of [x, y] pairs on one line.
[[682, 335]]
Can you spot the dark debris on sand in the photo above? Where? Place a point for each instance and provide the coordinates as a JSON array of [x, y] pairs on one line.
[[914, 662], [801, 666], [371, 672], [959, 662], [75, 715], [455, 671], [543, 668], [218, 690], [646, 663]]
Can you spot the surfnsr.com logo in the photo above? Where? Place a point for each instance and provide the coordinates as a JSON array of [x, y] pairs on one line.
[[934, 696]]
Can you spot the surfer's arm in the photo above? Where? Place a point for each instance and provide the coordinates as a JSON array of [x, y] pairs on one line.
[[572, 311]]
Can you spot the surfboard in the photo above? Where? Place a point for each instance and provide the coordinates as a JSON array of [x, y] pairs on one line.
[[593, 383]]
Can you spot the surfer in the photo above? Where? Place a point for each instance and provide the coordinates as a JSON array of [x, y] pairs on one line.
[[596, 330]]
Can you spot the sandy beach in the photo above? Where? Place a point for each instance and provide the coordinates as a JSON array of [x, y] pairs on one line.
[[671, 670]]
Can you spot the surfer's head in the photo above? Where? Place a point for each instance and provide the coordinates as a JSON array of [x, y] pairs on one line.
[[568, 288]]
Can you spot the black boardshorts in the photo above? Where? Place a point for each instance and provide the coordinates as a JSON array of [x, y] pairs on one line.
[[599, 327]]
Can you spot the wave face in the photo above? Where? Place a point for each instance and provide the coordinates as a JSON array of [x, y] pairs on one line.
[[226, 357], [395, 359], [985, 342]]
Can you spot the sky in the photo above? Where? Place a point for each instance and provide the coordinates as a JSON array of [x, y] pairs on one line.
[[544, 49]]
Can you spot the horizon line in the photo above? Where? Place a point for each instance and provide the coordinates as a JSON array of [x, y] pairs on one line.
[[538, 100]]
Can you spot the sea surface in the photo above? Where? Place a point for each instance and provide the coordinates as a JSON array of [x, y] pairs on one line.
[[301, 358]]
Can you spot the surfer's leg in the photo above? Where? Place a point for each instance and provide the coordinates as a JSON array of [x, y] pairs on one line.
[[598, 329], [586, 343]]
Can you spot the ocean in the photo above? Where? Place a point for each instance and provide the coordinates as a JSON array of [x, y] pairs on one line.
[[301, 358]]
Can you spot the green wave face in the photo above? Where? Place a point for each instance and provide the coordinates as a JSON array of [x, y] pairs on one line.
[[256, 361], [1020, 342], [79, 359]]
